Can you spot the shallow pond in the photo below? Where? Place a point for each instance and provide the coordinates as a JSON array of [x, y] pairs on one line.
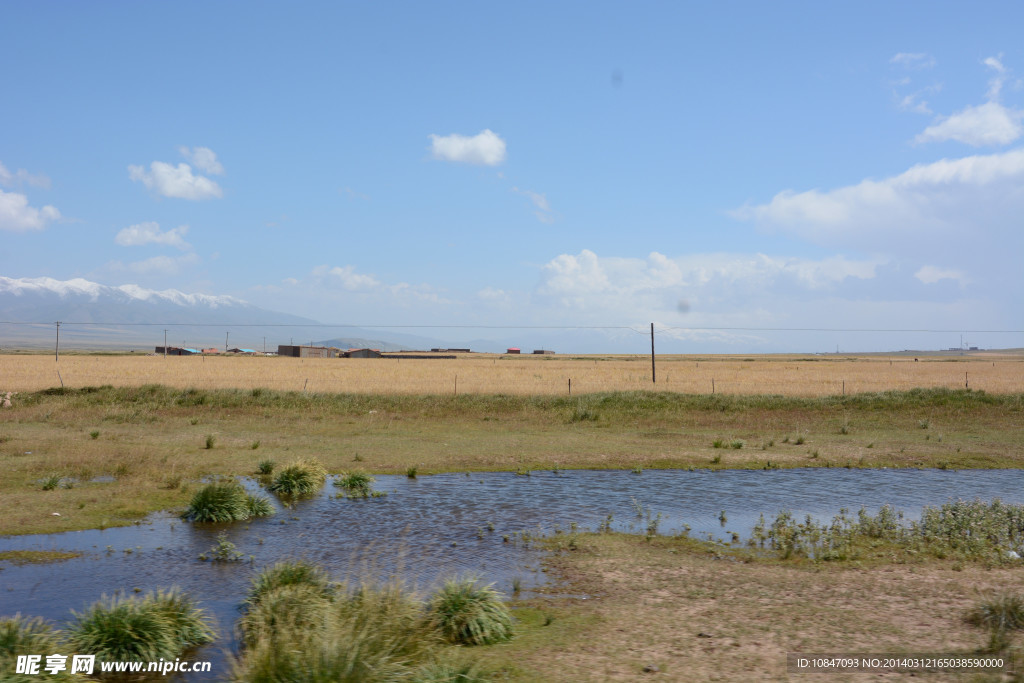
[[431, 527]]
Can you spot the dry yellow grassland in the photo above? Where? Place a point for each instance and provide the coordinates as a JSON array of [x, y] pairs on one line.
[[494, 374]]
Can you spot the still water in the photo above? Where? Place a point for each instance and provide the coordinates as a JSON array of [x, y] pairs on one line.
[[432, 527]]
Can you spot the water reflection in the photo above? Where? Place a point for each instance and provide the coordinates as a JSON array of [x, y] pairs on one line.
[[434, 526]]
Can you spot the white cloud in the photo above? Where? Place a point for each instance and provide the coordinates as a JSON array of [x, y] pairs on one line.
[[203, 158], [929, 275], [913, 60], [540, 202], [175, 181], [16, 215], [354, 194], [588, 277], [995, 84], [347, 276], [989, 124], [977, 193], [149, 233], [485, 148], [157, 265], [22, 176]]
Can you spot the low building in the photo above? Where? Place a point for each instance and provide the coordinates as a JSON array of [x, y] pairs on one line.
[[513, 349], [362, 353], [175, 351], [544, 352], [245, 351], [305, 351]]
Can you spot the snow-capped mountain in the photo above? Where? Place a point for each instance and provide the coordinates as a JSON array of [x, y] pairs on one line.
[[45, 299], [94, 314]]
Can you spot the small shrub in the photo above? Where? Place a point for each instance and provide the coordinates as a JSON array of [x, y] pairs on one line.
[[266, 466], [254, 445], [411, 472], [470, 614], [224, 550], [51, 482], [716, 460], [210, 441], [300, 478], [718, 443], [736, 444], [799, 440], [95, 434]]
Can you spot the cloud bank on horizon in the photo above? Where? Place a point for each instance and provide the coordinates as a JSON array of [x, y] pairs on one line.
[[577, 182]]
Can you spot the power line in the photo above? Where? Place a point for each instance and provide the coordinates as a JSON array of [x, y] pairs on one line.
[[523, 327]]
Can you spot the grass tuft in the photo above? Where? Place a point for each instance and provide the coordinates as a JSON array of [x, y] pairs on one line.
[[157, 626], [357, 484], [468, 613], [28, 636], [289, 573], [1000, 614], [266, 466], [221, 501], [300, 478]]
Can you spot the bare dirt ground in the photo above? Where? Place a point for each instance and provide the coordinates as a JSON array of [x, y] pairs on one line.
[[698, 615]]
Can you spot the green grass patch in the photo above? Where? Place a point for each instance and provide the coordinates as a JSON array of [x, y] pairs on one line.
[[21, 557]]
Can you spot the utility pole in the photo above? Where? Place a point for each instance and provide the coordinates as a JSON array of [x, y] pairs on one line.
[[652, 354], [226, 335], [264, 346], [56, 349], [165, 344]]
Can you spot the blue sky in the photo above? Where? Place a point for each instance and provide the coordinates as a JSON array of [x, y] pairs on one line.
[[695, 165]]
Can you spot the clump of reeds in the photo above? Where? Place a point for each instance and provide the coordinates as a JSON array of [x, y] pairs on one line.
[[290, 573], [300, 626], [266, 467], [300, 478], [51, 482], [29, 636], [1000, 614], [158, 626], [226, 501], [468, 613], [974, 531], [357, 484]]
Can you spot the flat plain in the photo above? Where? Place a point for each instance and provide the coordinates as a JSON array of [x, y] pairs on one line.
[[112, 438]]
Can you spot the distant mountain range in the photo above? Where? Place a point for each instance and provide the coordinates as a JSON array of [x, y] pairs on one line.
[[99, 316]]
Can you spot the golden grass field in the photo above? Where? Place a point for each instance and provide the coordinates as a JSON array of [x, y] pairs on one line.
[[549, 375]]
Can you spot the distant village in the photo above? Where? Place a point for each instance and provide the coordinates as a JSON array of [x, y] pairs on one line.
[[310, 351]]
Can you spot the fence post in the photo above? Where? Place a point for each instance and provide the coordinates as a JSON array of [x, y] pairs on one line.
[[570, 386]]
